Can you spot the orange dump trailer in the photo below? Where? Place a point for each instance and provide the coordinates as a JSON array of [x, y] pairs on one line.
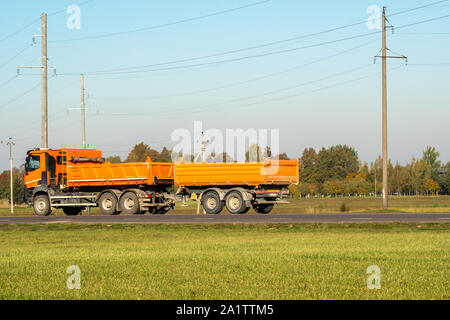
[[238, 186]]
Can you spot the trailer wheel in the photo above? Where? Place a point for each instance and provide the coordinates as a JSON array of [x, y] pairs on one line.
[[263, 208], [108, 204], [72, 211], [41, 205], [235, 202], [129, 203], [211, 202]]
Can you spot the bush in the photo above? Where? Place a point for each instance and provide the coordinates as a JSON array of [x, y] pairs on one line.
[[344, 207]]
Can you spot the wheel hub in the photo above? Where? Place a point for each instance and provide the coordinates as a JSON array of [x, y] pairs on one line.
[[107, 204], [211, 203], [234, 203], [129, 203]]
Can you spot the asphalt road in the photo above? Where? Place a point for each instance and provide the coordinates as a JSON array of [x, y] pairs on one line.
[[246, 218]]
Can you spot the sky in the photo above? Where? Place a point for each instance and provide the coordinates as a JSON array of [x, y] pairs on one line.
[[152, 67]]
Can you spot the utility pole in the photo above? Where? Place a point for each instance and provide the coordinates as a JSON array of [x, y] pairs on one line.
[[203, 147], [385, 147], [44, 91], [44, 104], [44, 71], [375, 193], [384, 56], [10, 143], [83, 124]]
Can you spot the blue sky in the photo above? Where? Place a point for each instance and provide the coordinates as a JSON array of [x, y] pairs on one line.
[[333, 101]]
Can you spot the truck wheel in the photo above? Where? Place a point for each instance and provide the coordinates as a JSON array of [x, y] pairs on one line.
[[162, 210], [235, 202], [41, 205], [108, 204], [211, 202], [129, 203], [263, 208], [72, 211], [245, 210]]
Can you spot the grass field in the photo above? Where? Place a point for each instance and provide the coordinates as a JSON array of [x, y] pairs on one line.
[[274, 261], [411, 204]]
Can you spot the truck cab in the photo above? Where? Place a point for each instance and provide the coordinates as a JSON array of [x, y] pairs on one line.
[[46, 169]]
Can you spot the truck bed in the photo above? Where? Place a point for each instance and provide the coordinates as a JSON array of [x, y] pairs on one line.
[[119, 174], [269, 172]]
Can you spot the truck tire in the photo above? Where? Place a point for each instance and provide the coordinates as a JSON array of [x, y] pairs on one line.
[[211, 202], [245, 210], [41, 205], [263, 208], [235, 202], [162, 210], [72, 211], [108, 204], [129, 203]]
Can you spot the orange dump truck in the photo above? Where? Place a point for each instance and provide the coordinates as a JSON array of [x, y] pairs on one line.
[[74, 179], [237, 186]]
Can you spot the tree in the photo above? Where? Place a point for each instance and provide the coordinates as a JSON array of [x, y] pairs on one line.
[[308, 166], [431, 185], [138, 153], [336, 162], [224, 158], [430, 156], [18, 189], [114, 159], [282, 156], [254, 154], [141, 151]]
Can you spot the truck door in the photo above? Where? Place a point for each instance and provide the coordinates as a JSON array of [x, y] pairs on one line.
[[49, 176], [33, 171]]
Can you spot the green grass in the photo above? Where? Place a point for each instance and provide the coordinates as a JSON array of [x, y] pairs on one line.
[[273, 261], [412, 204]]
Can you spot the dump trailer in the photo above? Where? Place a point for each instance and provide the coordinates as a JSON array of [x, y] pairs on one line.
[[75, 179], [237, 186]]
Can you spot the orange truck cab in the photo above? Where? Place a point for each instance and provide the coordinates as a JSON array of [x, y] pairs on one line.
[[74, 179]]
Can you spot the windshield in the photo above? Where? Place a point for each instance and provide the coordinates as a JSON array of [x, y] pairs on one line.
[[33, 163]]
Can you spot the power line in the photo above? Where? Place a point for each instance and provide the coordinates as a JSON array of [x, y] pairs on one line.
[[293, 95], [4, 84], [64, 10], [417, 8], [105, 72], [165, 24], [113, 71], [237, 59], [246, 81], [430, 64], [19, 30], [36, 20], [207, 108], [19, 96], [16, 55], [421, 22]]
